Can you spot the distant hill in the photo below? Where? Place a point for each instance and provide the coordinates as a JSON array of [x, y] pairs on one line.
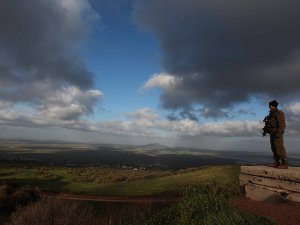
[[153, 146]]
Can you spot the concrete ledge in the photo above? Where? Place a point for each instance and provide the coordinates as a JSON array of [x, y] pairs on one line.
[[263, 183], [290, 174], [269, 182], [264, 193]]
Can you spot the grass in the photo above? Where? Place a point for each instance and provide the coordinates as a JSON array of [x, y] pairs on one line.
[[205, 206], [62, 179], [174, 183]]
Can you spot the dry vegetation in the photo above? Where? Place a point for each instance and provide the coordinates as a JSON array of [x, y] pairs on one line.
[[12, 196], [198, 206], [54, 211]]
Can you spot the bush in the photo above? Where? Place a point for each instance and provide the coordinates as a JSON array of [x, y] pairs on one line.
[[21, 197], [12, 196], [54, 211], [205, 207]]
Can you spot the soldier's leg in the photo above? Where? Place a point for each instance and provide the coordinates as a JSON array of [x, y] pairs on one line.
[[280, 149], [274, 149]]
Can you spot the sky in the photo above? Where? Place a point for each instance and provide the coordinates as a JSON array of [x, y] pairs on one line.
[[194, 73]]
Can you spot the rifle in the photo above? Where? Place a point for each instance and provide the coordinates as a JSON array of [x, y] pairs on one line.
[[266, 128]]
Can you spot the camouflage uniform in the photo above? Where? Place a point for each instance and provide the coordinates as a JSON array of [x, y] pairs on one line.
[[277, 126]]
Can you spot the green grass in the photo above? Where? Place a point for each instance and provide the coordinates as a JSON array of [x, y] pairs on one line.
[[222, 174], [61, 179], [205, 206]]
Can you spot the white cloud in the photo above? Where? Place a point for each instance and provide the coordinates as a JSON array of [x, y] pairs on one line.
[[64, 110], [69, 103], [145, 122], [125, 128], [294, 108], [10, 115], [145, 113], [187, 127], [162, 80], [60, 108], [5, 104], [293, 118]]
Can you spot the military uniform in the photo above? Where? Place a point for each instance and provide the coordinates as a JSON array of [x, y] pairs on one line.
[[277, 126]]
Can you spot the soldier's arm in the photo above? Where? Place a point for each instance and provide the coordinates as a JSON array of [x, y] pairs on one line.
[[281, 122]]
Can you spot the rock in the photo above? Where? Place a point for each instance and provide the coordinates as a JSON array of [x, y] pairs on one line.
[[264, 183]]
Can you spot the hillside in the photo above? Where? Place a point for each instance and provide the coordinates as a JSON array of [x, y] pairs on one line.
[[115, 182]]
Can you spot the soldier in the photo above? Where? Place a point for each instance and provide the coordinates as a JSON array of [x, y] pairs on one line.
[[276, 130]]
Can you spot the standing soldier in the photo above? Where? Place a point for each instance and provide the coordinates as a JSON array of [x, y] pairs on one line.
[[276, 120]]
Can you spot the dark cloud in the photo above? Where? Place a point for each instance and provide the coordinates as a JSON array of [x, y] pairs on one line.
[[187, 113], [225, 52], [39, 42]]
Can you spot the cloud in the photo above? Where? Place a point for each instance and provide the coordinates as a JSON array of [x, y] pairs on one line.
[[69, 103], [225, 52], [143, 114], [146, 123], [38, 40], [4, 105], [158, 127], [163, 81], [292, 112], [63, 109], [188, 127], [40, 59], [294, 108]]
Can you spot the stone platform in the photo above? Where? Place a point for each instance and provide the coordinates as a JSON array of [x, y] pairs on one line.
[[263, 183]]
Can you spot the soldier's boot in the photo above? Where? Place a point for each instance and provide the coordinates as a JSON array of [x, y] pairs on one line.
[[276, 164], [284, 165]]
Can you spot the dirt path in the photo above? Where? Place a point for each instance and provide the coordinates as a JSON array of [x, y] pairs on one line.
[[284, 213], [95, 198]]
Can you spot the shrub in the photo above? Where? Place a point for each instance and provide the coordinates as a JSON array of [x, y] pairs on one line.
[[205, 207], [21, 197], [12, 196], [54, 211]]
